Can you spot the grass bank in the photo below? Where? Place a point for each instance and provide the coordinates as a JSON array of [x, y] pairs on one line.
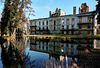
[[65, 36]]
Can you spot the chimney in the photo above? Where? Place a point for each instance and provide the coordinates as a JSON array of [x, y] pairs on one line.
[[56, 10], [49, 13], [74, 10], [59, 12]]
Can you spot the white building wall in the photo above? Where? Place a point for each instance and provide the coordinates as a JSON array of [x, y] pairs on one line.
[[59, 23], [65, 22], [44, 24], [37, 24], [75, 24]]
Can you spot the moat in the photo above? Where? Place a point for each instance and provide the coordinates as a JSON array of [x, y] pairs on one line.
[[31, 52]]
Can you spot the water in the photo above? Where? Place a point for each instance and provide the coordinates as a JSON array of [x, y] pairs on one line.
[[49, 53]]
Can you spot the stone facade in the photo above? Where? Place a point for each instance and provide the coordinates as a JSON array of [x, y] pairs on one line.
[[58, 12], [58, 23], [83, 8], [55, 26]]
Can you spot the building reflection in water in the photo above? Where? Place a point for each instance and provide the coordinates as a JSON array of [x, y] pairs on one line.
[[96, 44], [67, 53], [61, 49]]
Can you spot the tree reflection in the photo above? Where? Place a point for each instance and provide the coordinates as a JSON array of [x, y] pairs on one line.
[[13, 55]]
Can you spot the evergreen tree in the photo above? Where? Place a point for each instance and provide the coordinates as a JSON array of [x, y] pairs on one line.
[[98, 11], [13, 15]]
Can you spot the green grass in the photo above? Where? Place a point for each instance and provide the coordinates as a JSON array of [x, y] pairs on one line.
[[70, 36]]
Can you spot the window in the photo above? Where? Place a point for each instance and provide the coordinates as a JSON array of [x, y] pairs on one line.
[[47, 22], [43, 23], [72, 20], [31, 23], [39, 23], [88, 32], [89, 19], [42, 47], [54, 28], [47, 48], [43, 42], [47, 28], [63, 21], [81, 10], [62, 45], [66, 50], [39, 47], [67, 20], [80, 27], [72, 46], [80, 20], [39, 42], [72, 52], [35, 22], [67, 26], [66, 45], [54, 25], [54, 22], [39, 28], [54, 42], [89, 27], [72, 26], [43, 28], [79, 52], [62, 27]]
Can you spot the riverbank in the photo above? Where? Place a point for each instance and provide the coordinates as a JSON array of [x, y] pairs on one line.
[[65, 36], [89, 59]]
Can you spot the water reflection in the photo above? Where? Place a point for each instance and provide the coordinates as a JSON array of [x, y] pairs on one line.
[[50, 53], [96, 44], [13, 55], [60, 49], [71, 48]]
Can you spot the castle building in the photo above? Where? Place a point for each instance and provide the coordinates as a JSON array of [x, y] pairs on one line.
[[59, 23]]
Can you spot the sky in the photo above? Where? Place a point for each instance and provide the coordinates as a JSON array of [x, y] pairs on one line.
[[42, 7]]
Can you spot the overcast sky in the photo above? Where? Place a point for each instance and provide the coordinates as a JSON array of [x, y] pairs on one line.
[[42, 7]]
